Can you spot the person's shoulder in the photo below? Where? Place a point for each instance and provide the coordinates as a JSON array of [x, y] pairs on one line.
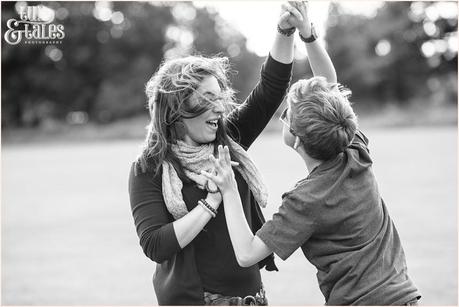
[[147, 171], [303, 195]]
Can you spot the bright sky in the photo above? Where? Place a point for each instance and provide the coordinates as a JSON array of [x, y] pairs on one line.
[[257, 19]]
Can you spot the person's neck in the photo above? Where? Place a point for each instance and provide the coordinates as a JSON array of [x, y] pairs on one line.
[[310, 162]]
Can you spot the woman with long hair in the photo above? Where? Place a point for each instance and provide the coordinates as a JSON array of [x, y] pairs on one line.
[[177, 211]]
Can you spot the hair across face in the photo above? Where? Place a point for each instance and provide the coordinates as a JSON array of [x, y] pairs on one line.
[[171, 88], [322, 117], [183, 95], [202, 129]]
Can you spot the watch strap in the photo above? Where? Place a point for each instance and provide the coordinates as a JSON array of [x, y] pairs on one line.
[[312, 37]]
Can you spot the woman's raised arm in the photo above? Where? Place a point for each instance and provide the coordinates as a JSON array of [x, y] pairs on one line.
[[248, 121], [282, 49]]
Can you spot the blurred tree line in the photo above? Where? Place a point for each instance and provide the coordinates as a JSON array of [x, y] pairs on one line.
[[111, 49], [406, 52]]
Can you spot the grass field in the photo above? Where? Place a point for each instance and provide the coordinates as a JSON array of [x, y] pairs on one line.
[[68, 237]]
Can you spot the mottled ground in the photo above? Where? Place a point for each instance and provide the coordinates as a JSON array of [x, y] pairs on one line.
[[68, 237]]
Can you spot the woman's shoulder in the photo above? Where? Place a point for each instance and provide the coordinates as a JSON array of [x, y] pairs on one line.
[[145, 171]]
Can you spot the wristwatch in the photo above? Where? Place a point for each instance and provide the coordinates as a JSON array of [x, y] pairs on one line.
[[312, 37]]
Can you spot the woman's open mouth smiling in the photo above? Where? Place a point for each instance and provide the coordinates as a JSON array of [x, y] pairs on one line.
[[213, 123]]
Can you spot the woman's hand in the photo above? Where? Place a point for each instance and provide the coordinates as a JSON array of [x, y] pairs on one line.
[[295, 14], [224, 177], [288, 16]]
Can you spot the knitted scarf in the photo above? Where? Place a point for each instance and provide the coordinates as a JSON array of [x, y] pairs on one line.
[[196, 158]]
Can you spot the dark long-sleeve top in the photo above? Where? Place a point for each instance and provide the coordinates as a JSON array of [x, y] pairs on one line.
[[208, 263]]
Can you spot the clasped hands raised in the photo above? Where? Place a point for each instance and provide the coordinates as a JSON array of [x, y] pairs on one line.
[[294, 14]]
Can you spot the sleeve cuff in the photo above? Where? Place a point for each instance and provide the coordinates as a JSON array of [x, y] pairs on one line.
[[265, 234], [278, 68], [170, 232]]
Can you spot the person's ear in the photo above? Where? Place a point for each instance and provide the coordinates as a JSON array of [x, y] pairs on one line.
[[297, 142]]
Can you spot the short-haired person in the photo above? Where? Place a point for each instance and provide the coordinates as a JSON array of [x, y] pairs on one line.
[[176, 211], [336, 214]]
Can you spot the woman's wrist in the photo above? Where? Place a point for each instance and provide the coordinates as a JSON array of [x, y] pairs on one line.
[[285, 31], [210, 199], [208, 207]]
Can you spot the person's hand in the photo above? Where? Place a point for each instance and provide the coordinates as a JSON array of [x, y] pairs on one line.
[[295, 14], [286, 19], [224, 176], [303, 25], [214, 199]]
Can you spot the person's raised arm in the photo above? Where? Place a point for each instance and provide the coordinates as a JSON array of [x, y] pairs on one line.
[[282, 49], [249, 249], [319, 59], [246, 122]]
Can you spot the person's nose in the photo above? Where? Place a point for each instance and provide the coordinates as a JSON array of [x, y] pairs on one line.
[[218, 108]]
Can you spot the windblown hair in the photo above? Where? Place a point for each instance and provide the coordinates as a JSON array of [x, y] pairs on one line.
[[169, 92], [322, 117]]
